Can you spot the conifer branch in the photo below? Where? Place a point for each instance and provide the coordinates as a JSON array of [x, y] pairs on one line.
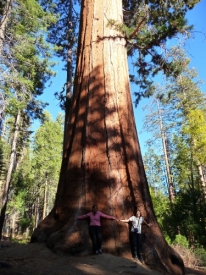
[[138, 27]]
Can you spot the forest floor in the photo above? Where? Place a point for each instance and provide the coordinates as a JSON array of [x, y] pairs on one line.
[[37, 259]]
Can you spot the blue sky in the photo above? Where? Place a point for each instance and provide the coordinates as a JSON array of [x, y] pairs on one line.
[[196, 51]]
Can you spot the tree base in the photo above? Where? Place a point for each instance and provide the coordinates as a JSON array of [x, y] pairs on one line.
[[74, 240]]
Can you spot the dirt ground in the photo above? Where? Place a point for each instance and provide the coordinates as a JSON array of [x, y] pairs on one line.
[[37, 259]]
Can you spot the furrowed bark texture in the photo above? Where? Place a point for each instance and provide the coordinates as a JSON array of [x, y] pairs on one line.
[[102, 162]]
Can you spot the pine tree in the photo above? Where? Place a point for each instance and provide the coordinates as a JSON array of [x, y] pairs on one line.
[[155, 123], [26, 66], [47, 149], [183, 106], [155, 171]]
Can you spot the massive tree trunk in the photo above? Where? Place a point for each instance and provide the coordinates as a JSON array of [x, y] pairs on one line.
[[102, 162]]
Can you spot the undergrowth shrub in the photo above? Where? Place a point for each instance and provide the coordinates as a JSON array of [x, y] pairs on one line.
[[168, 240], [181, 240], [200, 254], [187, 256], [195, 259]]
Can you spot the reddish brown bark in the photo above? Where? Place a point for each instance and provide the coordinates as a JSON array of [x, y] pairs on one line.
[[102, 162]]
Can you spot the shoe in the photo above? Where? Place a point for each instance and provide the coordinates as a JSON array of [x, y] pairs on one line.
[[100, 251], [96, 252], [141, 259], [135, 253]]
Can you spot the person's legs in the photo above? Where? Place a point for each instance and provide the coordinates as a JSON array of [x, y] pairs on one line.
[[99, 238], [134, 244], [139, 247], [139, 242], [93, 236]]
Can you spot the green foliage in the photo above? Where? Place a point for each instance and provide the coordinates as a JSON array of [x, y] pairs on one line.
[[20, 240], [195, 131], [18, 193], [25, 63], [200, 253], [47, 156], [63, 33], [35, 167], [154, 168], [147, 26], [184, 126], [181, 240], [161, 205], [48, 145], [3, 159], [181, 217], [168, 240], [24, 223], [24, 71]]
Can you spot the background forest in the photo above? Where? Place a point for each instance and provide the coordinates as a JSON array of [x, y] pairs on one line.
[[35, 33]]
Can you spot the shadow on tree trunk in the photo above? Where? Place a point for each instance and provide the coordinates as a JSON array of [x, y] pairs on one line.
[[102, 162]]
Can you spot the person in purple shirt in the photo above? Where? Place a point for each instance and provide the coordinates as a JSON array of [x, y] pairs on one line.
[[95, 231]]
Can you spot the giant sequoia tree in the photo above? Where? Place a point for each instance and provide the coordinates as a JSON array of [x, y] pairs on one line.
[[102, 162]]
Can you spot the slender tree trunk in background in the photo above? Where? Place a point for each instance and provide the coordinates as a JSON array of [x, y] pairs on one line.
[[13, 224], [69, 80], [3, 22], [45, 199], [203, 187], [192, 185], [9, 172], [168, 170], [202, 180], [103, 163], [37, 212]]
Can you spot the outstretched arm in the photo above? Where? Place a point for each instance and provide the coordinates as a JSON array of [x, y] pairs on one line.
[[102, 215], [82, 217], [148, 224], [124, 220]]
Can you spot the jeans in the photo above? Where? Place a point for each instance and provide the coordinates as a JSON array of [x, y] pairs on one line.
[[95, 233], [136, 242]]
